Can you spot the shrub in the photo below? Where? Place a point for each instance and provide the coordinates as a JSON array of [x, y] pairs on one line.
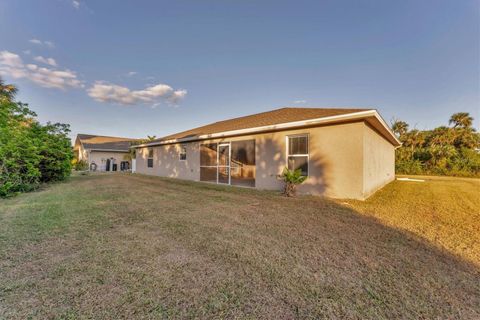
[[409, 167], [291, 178], [81, 165], [452, 151], [30, 153]]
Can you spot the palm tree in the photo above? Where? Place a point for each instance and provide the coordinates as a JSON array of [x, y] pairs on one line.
[[400, 127], [461, 120]]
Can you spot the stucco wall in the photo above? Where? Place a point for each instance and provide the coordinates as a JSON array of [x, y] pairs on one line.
[[167, 163], [335, 164], [97, 156], [379, 161]]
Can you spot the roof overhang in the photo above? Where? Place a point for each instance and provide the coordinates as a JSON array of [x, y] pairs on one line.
[[372, 116], [108, 150]]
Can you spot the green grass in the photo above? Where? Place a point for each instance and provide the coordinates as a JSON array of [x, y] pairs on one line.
[[131, 246]]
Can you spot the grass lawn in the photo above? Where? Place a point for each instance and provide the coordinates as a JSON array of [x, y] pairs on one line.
[[131, 246]]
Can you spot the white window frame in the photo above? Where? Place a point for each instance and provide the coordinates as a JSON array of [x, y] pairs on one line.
[[287, 145], [152, 157], [224, 144], [182, 147]]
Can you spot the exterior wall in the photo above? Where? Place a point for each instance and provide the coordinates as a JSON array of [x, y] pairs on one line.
[[80, 152], [97, 156], [379, 161], [167, 163], [336, 163]]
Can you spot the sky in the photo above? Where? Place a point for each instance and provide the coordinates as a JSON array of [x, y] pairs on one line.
[[138, 68]]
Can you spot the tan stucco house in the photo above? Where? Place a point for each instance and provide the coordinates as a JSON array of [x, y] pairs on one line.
[[103, 153], [346, 153]]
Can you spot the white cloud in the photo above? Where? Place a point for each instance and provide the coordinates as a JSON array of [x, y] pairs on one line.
[[107, 92], [49, 61], [35, 41], [300, 101], [132, 73], [27, 51], [76, 4], [49, 44], [12, 65]]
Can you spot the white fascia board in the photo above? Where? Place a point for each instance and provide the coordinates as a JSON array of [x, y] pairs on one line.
[[109, 150], [385, 125], [281, 126]]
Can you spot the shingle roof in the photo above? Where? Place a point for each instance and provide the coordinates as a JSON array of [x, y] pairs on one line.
[[274, 117], [105, 143]]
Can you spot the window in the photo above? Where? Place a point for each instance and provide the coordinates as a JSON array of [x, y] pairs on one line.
[[183, 152], [297, 153], [150, 158]]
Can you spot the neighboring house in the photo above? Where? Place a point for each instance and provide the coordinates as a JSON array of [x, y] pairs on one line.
[[346, 153], [103, 153]]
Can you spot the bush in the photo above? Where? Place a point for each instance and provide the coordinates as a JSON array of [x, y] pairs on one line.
[[291, 178], [452, 151], [409, 167], [30, 153], [81, 165]]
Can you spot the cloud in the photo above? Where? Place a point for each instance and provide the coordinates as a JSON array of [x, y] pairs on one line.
[[300, 101], [132, 73], [76, 4], [12, 65], [49, 61], [35, 41], [27, 51], [107, 92], [48, 44]]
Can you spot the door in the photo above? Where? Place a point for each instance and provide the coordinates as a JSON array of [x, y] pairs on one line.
[[107, 168], [223, 172]]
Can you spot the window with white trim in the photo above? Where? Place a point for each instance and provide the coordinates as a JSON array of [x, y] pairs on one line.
[[297, 153], [150, 158], [183, 152]]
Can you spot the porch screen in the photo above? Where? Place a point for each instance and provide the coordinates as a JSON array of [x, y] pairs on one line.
[[243, 163], [208, 162]]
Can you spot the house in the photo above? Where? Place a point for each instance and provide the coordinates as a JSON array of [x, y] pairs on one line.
[[346, 153], [103, 153]]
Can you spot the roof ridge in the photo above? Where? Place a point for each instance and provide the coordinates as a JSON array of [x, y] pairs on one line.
[[283, 108], [101, 136]]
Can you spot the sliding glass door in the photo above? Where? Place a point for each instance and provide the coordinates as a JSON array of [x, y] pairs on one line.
[[228, 163], [243, 163]]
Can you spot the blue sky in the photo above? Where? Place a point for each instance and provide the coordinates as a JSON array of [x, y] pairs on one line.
[[137, 68]]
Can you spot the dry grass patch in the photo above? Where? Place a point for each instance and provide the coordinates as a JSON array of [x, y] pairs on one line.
[[443, 210], [130, 246]]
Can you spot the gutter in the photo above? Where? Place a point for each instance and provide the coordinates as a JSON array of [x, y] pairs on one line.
[[108, 150], [281, 126]]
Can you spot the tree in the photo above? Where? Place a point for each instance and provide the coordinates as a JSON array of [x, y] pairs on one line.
[[443, 150], [7, 91], [30, 153], [461, 120], [400, 127]]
